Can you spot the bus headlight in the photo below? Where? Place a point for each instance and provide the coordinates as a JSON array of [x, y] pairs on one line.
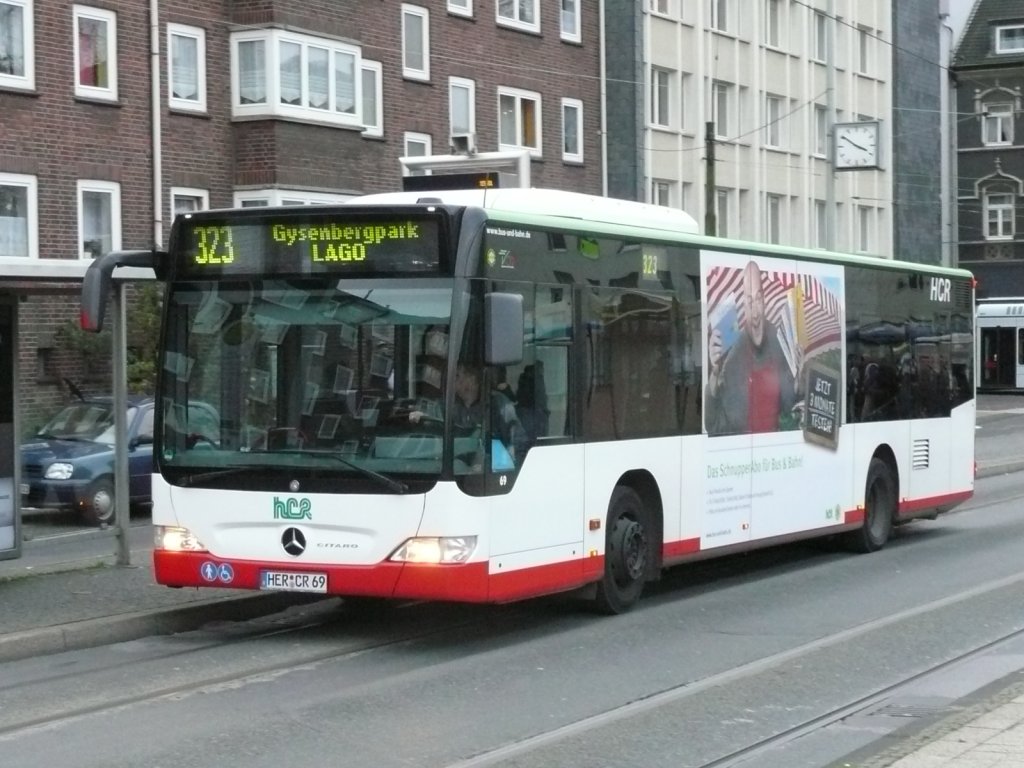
[[176, 539], [440, 550]]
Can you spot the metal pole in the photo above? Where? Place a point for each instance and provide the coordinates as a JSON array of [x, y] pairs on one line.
[[947, 142], [830, 111], [710, 193], [120, 366]]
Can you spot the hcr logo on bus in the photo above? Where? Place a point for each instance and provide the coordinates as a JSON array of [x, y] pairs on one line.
[[292, 509], [942, 290]]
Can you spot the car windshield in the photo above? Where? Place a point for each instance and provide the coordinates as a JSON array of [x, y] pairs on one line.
[[83, 421], [107, 435], [303, 374]]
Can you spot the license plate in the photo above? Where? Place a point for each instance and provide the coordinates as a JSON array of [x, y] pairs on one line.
[[23, 489], [287, 581]]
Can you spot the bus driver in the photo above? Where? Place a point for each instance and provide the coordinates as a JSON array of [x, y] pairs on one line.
[[468, 412]]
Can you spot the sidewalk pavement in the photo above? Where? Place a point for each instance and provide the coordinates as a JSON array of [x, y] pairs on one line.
[[65, 592]]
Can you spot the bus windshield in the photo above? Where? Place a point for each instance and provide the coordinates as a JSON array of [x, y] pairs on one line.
[[323, 380]]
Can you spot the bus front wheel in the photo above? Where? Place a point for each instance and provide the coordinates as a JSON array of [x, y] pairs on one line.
[[627, 553], [879, 509]]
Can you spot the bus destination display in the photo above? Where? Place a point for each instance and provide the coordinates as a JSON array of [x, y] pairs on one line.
[[312, 243]]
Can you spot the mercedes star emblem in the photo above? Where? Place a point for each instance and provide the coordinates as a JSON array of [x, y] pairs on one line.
[[294, 542]]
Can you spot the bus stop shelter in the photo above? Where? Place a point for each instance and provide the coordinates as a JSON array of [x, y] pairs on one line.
[[19, 279]]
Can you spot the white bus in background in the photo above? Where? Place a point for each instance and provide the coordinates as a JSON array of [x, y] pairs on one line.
[[1000, 326], [674, 396]]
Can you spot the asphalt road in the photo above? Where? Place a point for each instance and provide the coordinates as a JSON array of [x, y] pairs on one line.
[[801, 654], [722, 656]]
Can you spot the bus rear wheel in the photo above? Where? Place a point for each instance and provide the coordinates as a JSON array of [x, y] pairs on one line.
[[879, 509], [627, 553]]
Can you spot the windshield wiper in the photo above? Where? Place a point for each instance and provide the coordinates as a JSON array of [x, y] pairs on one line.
[[202, 477], [388, 482]]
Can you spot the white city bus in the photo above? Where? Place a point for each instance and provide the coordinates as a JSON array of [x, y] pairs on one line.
[[1000, 325], [646, 396]]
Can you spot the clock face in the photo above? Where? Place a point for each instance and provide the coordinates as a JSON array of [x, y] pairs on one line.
[[856, 145]]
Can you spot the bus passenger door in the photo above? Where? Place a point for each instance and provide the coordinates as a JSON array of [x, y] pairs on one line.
[[1019, 368], [1000, 367], [537, 524]]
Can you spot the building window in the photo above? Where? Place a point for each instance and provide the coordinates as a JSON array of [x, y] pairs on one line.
[[864, 214], [773, 120], [519, 120], [773, 218], [251, 72], [522, 14], [460, 7], [418, 145], [259, 198], [415, 42], [661, 104], [661, 192], [773, 23], [719, 14], [864, 37], [684, 87], [820, 224], [659, 6], [997, 124], [461, 105], [571, 20], [95, 53], [820, 130], [186, 68], [722, 96], [19, 226], [99, 217], [1010, 39], [281, 73], [820, 36], [188, 200], [373, 105], [722, 212], [572, 130], [17, 58], [999, 213]]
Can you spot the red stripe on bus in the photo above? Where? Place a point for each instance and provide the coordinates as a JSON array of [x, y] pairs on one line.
[[540, 580], [674, 549], [469, 583], [947, 499], [910, 506], [184, 569]]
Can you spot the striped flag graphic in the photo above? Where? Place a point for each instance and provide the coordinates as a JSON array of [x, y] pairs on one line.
[[820, 324]]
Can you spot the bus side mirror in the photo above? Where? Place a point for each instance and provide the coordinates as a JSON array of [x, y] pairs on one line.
[[503, 328], [96, 285]]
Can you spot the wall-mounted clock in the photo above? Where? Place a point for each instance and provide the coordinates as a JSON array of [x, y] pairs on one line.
[[856, 145]]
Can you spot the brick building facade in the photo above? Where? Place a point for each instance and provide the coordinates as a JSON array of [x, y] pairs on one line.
[[260, 102]]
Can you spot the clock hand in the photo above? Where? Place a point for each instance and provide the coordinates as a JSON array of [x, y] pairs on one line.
[[848, 140]]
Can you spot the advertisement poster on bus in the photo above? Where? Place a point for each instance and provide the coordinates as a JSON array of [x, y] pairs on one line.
[[772, 394]]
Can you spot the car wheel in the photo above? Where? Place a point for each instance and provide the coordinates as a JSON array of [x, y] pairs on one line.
[[99, 503]]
